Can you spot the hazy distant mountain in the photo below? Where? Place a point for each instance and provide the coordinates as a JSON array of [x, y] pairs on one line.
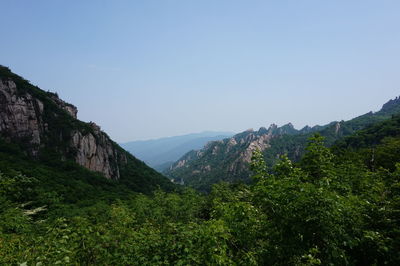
[[162, 153]]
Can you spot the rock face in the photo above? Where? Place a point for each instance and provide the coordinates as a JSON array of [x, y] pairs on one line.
[[225, 158], [392, 104], [28, 119], [20, 115], [96, 152]]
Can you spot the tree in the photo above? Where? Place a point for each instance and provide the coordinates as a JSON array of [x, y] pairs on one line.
[[258, 166], [318, 160]]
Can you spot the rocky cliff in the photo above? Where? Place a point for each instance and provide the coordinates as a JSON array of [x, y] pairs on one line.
[[226, 159], [20, 115], [41, 122], [96, 152]]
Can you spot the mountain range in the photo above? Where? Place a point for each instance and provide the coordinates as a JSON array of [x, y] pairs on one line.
[[228, 159], [162, 153]]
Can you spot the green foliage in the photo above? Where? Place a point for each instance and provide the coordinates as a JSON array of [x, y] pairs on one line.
[[258, 165], [317, 161], [284, 167]]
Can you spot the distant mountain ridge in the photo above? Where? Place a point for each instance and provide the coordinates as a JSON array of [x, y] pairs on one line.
[[228, 159], [163, 152]]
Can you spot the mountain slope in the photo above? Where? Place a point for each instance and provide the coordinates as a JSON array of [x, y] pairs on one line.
[[378, 144], [161, 153], [225, 159], [46, 129], [228, 159]]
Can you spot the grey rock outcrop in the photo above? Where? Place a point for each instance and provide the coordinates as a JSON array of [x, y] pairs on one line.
[[96, 152], [20, 115]]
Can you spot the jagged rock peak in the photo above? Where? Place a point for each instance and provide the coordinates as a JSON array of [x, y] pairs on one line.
[[287, 129], [391, 104], [272, 127], [262, 130], [95, 127], [306, 129], [288, 125], [69, 108]]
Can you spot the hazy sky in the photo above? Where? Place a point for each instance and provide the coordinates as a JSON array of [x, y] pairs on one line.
[[146, 69]]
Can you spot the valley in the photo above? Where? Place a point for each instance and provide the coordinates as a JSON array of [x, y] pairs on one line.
[[70, 195]]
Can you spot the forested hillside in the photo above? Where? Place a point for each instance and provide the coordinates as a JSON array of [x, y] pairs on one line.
[[228, 160], [337, 206]]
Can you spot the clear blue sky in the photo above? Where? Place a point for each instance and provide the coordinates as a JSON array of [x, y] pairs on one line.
[[146, 69]]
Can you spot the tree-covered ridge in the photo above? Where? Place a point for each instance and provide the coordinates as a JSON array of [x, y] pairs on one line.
[[218, 161], [373, 134], [378, 145], [331, 208]]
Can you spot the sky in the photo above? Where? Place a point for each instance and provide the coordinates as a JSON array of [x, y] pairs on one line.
[[149, 69]]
